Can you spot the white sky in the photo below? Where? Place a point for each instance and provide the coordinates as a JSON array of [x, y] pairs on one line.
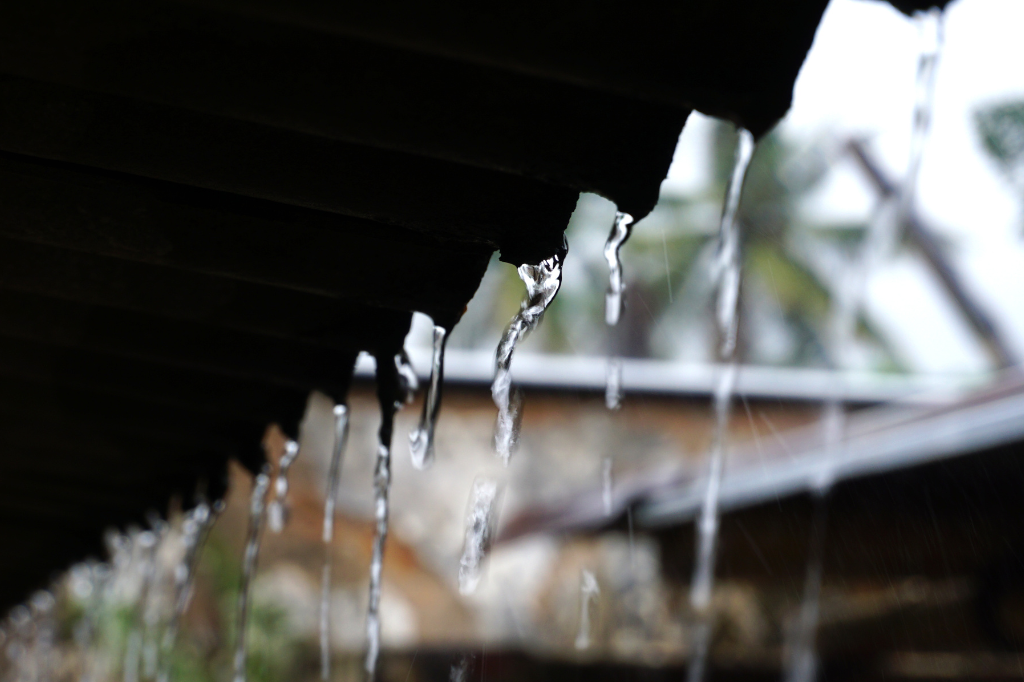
[[859, 79]]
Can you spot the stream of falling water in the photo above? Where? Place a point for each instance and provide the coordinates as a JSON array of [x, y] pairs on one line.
[[195, 529], [727, 272], [481, 524], [421, 440], [140, 654], [622, 227], [802, 662], [91, 579], [257, 509], [277, 510], [930, 31], [330, 501], [606, 486], [589, 592], [394, 389], [883, 233], [460, 671], [381, 484], [542, 284]]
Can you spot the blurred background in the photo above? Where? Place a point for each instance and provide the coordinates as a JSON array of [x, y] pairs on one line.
[[940, 318]]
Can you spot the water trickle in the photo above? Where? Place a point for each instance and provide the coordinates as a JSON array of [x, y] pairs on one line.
[[613, 384], [460, 671], [87, 585], [408, 382], [707, 526], [43, 608], [277, 510], [392, 391], [145, 544], [727, 273], [330, 500], [195, 529], [621, 229], [589, 592], [542, 284], [421, 441], [381, 483], [883, 233], [481, 524], [629, 534], [606, 485], [257, 508], [930, 29], [802, 662], [19, 654], [149, 606], [727, 258]]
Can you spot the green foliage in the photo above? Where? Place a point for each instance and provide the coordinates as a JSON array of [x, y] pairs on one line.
[[1001, 128]]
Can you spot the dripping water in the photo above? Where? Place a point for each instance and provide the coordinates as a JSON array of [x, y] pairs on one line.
[[460, 671], [727, 273], [883, 232], [621, 229], [140, 659], [257, 508], [632, 546], [43, 607], [727, 258], [481, 525], [277, 510], [589, 592], [394, 387], [406, 381], [334, 472], [421, 441], [542, 284], [88, 582], [19, 649], [381, 484], [195, 530], [613, 384], [802, 662], [330, 500], [707, 526], [930, 29], [606, 485]]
